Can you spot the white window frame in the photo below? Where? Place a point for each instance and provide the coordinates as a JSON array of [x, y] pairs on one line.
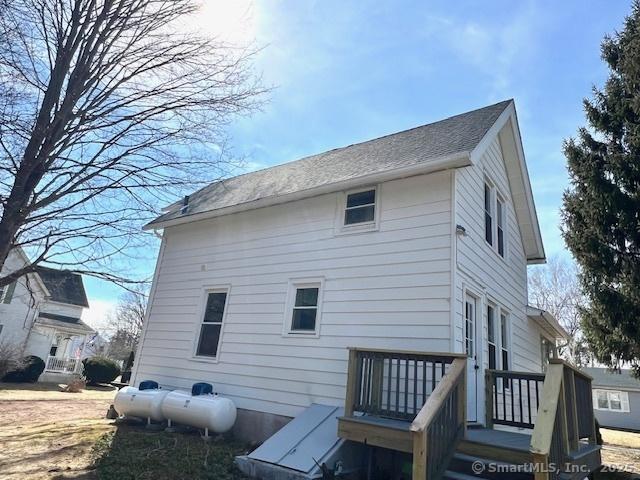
[[342, 228], [495, 343], [203, 306], [294, 285], [624, 400], [504, 313], [495, 196], [501, 224]]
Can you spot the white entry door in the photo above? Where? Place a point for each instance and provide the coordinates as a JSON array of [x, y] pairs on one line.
[[471, 349]]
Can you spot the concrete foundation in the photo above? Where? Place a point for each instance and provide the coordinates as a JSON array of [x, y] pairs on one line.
[[255, 427]]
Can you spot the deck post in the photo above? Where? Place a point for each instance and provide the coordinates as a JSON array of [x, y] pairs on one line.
[[573, 411], [419, 470], [541, 464], [352, 368], [488, 397]]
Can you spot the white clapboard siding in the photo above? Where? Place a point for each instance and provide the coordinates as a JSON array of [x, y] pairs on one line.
[[503, 281], [388, 288]]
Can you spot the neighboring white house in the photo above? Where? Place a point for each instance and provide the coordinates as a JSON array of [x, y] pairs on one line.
[[418, 240], [40, 314]]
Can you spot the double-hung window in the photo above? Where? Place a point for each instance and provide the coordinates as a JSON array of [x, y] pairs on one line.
[[491, 337], [360, 207], [303, 315], [612, 400], [504, 340], [495, 219], [500, 211], [211, 326], [488, 213]]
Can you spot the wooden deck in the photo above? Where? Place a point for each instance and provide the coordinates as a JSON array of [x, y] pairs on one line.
[[414, 403]]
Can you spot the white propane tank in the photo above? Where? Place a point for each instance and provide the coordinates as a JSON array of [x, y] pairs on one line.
[[210, 412], [140, 403]]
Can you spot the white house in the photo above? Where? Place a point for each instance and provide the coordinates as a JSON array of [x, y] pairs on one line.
[[40, 314], [417, 241]]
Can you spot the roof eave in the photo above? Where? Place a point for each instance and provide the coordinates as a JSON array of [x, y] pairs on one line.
[[507, 123], [547, 321], [457, 160]]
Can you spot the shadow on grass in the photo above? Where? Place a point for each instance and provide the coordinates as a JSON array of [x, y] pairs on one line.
[[135, 453]]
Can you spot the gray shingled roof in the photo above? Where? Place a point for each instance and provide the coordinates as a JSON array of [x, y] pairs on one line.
[[64, 286], [454, 135], [605, 378]]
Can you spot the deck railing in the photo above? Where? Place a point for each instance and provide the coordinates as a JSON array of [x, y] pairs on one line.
[[63, 364], [440, 425], [512, 398], [393, 384], [565, 420]]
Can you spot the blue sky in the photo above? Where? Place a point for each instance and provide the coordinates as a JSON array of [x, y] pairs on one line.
[[345, 72]]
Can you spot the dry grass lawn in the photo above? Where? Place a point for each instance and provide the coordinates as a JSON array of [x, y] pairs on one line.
[[48, 434]]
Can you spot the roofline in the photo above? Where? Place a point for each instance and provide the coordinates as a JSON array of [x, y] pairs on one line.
[[509, 113], [550, 320], [457, 160], [33, 274]]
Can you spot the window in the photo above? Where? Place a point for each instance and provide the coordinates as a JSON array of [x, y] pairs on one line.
[[304, 308], [360, 208], [491, 337], [612, 400], [488, 213], [469, 330], [504, 340], [211, 328], [500, 211], [6, 293], [546, 352]]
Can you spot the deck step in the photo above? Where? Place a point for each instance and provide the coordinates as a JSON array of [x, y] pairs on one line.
[[477, 467], [449, 475]]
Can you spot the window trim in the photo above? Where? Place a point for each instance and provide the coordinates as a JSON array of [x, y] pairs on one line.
[[342, 228], [624, 400], [501, 221], [504, 313], [496, 346], [293, 286], [203, 306], [496, 196]]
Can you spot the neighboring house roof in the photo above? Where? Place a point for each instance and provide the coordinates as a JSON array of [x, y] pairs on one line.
[[603, 377], [450, 143], [64, 286], [64, 322], [547, 322]]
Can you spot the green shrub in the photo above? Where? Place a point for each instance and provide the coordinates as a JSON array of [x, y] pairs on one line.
[[28, 371], [100, 370]]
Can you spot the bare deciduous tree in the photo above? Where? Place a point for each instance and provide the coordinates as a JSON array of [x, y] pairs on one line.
[[125, 323], [108, 110], [554, 287]]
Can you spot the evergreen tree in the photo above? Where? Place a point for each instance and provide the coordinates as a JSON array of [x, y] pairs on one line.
[[601, 211]]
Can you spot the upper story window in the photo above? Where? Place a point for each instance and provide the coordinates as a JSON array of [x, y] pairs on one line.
[[6, 292], [500, 210], [495, 219], [360, 207], [488, 213], [211, 326], [304, 308]]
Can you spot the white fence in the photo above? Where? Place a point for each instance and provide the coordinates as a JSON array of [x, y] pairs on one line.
[[63, 364]]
